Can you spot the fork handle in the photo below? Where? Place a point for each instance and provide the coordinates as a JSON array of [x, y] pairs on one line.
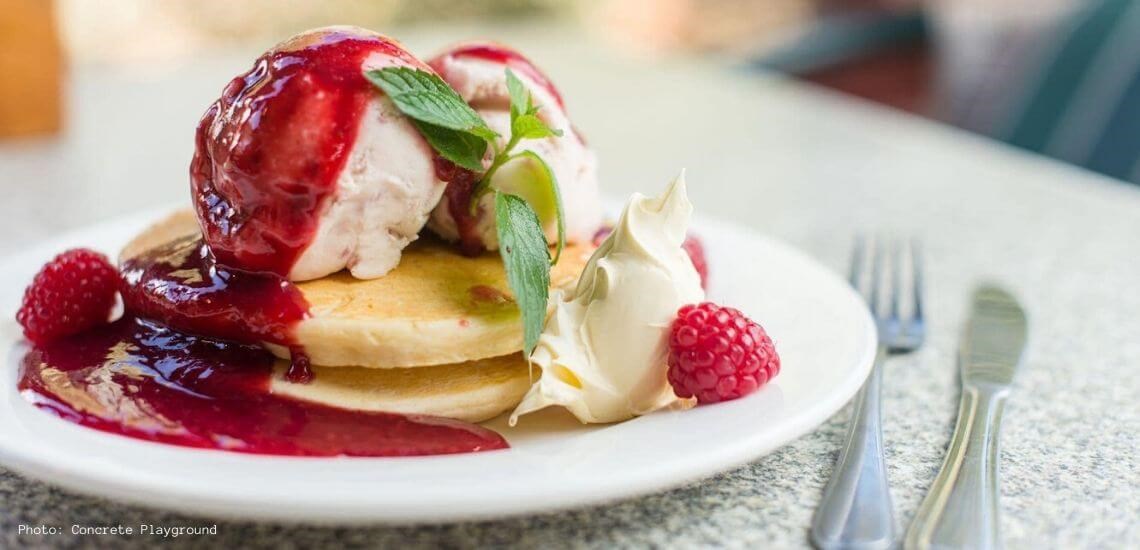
[[961, 509], [856, 510]]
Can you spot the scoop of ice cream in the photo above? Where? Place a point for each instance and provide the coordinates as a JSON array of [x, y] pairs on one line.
[[603, 351], [478, 72], [304, 168]]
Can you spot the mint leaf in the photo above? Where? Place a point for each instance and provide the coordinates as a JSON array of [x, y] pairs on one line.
[[520, 98], [524, 122], [529, 126], [555, 193], [447, 122], [427, 98], [462, 148], [527, 260]]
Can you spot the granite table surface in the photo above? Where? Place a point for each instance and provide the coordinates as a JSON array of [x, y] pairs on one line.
[[795, 162]]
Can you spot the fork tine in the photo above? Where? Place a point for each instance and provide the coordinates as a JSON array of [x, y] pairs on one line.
[[858, 251], [916, 268], [896, 277], [875, 300]]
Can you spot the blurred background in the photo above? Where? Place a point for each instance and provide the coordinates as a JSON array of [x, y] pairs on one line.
[[1056, 77]]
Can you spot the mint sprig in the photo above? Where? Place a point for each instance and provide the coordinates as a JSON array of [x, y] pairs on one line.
[[525, 124], [460, 135]]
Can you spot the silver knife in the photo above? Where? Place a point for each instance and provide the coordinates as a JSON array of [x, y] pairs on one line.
[[961, 509]]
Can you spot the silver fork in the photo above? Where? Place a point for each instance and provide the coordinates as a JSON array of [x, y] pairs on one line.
[[856, 510]]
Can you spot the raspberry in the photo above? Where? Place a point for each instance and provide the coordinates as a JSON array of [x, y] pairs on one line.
[[696, 251], [73, 292], [717, 354], [692, 246], [603, 232]]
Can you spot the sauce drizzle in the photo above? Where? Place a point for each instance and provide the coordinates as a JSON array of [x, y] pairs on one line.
[[140, 379]]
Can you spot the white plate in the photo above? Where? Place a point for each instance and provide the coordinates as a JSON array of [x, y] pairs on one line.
[[825, 337]]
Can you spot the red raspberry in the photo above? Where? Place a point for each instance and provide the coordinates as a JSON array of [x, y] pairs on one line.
[[696, 251], [603, 232], [73, 292], [692, 246], [717, 353]]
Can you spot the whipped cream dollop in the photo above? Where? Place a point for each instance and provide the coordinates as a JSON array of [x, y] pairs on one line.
[[603, 350]]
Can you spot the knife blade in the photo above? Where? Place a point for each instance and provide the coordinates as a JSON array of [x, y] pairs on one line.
[[994, 339], [961, 510]]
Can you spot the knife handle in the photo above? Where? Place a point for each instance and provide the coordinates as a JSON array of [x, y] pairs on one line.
[[961, 509], [856, 510]]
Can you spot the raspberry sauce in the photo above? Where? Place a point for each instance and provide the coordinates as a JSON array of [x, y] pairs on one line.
[[181, 285], [269, 151], [145, 381], [460, 184]]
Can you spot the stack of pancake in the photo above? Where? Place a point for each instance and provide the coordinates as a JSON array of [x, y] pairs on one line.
[[439, 335]]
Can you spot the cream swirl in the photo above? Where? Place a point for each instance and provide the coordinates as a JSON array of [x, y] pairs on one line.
[[603, 350]]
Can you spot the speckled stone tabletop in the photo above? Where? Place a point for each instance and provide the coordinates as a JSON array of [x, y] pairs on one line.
[[806, 166]]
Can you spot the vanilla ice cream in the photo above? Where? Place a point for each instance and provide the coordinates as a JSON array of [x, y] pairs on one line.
[[383, 198], [478, 72], [603, 351], [305, 168]]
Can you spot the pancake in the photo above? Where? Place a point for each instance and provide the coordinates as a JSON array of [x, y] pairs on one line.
[[437, 307], [474, 391]]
